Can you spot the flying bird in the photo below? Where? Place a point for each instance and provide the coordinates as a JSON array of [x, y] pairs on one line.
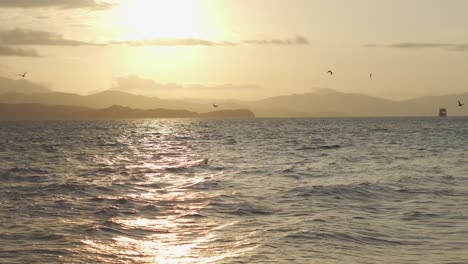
[[215, 105], [22, 75], [330, 72], [370, 75], [460, 104]]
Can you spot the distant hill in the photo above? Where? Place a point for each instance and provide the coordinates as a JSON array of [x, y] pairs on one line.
[[57, 112], [332, 103], [448, 101], [323, 103], [100, 100], [21, 86]]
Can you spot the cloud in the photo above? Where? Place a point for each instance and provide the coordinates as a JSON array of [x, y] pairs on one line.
[[80, 25], [175, 42], [8, 51], [40, 38], [63, 4], [224, 87], [298, 40], [422, 45], [207, 91], [135, 84], [20, 36], [460, 47]]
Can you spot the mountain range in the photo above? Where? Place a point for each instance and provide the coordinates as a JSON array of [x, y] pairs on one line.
[[321, 103], [60, 112]]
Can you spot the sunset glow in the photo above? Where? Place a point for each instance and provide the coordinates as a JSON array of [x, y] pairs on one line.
[[233, 131], [150, 19]]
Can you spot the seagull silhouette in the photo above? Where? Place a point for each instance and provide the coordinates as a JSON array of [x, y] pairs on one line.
[[215, 105], [330, 72], [460, 104], [22, 75]]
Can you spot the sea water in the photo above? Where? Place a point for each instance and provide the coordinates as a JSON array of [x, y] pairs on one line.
[[357, 190]]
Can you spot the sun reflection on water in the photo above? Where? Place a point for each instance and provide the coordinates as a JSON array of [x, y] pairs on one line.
[[179, 233], [174, 243], [162, 211]]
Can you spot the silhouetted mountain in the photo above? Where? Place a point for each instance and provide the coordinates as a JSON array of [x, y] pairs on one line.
[[331, 102], [441, 101], [58, 112], [116, 111], [323, 103], [334, 103], [21, 86], [100, 100]]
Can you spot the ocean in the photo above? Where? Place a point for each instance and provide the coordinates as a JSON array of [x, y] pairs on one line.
[[336, 190]]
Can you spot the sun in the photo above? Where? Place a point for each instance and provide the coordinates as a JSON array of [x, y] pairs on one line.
[[149, 19]]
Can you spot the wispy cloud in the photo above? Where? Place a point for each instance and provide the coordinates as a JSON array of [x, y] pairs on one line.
[[80, 25], [63, 4], [298, 40], [175, 42], [460, 47], [422, 45], [40, 38], [224, 87], [21, 37], [9, 51], [135, 83]]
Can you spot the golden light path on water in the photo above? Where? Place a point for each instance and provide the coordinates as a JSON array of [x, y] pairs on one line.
[[177, 231], [389, 190], [178, 240]]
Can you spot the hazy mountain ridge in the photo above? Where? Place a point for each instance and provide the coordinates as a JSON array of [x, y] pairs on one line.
[[323, 103], [99, 100], [21, 86], [353, 104], [60, 112]]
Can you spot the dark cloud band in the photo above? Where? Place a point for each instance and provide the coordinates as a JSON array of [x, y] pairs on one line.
[[298, 40], [63, 4], [39, 38], [9, 51], [175, 42], [20, 37], [422, 45]]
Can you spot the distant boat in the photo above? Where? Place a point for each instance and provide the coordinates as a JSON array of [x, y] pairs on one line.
[[442, 112]]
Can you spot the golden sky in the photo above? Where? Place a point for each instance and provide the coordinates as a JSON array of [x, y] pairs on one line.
[[238, 48]]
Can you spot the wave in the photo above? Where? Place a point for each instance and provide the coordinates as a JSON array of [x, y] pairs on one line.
[[350, 192], [335, 191], [338, 238], [379, 130], [242, 209], [28, 170], [324, 147], [186, 165]]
